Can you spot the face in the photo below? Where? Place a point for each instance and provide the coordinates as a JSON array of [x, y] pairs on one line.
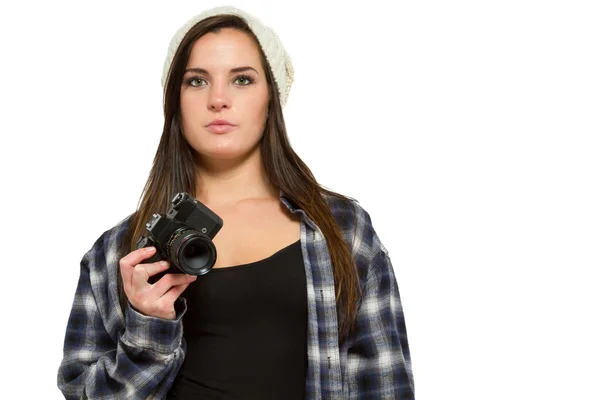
[[224, 79]]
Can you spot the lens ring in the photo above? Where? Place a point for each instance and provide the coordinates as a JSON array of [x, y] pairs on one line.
[[173, 239]]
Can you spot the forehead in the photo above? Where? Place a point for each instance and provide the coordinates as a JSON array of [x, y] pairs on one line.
[[223, 49]]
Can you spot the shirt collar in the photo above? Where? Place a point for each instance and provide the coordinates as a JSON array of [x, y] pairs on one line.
[[293, 207]]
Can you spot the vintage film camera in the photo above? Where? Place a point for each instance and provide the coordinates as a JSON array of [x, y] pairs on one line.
[[183, 237]]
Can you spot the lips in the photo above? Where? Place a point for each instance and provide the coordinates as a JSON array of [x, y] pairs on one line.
[[220, 128], [220, 125]]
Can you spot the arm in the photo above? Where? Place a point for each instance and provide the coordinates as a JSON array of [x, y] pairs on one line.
[[378, 357], [138, 362], [378, 364]]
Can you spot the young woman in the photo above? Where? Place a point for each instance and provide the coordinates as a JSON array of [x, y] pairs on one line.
[[302, 301]]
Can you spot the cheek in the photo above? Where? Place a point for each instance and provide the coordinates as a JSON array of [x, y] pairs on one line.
[[187, 106], [257, 111], [183, 110], [191, 120]]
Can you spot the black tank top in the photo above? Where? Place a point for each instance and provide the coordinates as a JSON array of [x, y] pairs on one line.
[[245, 329]]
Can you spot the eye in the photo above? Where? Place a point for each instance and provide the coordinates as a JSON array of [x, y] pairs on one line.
[[246, 78], [190, 82]]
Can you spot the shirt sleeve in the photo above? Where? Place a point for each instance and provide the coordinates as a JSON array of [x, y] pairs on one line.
[[378, 357], [138, 362]]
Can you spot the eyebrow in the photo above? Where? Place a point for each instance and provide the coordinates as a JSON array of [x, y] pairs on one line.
[[233, 70]]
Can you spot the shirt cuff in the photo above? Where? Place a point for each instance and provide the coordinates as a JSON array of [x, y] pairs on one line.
[[152, 333]]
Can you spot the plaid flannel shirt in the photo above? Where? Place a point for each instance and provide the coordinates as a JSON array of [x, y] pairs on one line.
[[111, 355]]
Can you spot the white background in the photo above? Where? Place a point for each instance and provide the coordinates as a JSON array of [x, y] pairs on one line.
[[467, 129]]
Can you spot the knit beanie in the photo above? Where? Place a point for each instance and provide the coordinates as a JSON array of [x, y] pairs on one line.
[[278, 59]]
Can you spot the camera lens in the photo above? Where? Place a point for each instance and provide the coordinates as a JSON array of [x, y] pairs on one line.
[[195, 253], [197, 256]]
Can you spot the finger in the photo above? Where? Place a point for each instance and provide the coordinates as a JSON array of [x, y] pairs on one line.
[[127, 263], [139, 277], [169, 280], [142, 272], [156, 267], [172, 294]]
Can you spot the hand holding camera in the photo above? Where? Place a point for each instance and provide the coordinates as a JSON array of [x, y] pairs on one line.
[[178, 248], [154, 300]]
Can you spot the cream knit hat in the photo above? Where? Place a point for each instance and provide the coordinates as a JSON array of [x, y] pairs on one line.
[[278, 59]]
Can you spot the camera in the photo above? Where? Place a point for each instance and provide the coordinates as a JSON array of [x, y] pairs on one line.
[[183, 237]]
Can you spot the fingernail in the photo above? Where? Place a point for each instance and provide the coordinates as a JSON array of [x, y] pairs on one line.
[[150, 249], [164, 263]]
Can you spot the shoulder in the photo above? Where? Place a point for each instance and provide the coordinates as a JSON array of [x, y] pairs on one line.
[[356, 227], [98, 280], [105, 250]]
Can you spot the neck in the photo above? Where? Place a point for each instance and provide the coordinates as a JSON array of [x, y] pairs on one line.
[[223, 183]]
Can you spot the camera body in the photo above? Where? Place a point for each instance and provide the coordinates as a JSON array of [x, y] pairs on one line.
[[183, 237]]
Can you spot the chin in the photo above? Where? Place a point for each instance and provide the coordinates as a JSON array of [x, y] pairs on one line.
[[224, 154]]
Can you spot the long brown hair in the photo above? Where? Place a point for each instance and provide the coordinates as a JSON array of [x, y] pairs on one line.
[[174, 170]]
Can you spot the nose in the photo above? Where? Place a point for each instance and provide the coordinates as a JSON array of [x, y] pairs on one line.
[[218, 97]]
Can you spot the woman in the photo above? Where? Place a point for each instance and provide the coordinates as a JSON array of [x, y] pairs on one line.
[[302, 301]]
